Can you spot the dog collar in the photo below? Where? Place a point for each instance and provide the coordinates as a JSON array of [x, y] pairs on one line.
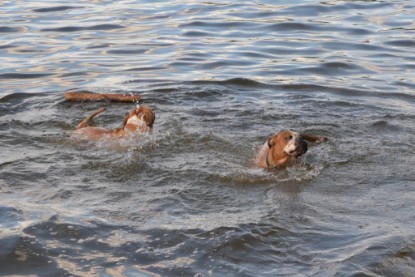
[[269, 163]]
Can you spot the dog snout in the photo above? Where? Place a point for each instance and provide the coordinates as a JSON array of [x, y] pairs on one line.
[[302, 147]]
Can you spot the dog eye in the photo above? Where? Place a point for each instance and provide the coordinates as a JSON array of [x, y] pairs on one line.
[[290, 137]]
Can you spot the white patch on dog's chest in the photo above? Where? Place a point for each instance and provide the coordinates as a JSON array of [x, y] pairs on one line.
[[135, 120]]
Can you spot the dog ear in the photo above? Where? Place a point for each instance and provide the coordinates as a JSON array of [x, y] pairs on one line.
[[149, 118], [146, 119], [271, 141]]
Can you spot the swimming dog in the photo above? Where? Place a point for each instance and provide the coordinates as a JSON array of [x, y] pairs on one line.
[[284, 147], [138, 120]]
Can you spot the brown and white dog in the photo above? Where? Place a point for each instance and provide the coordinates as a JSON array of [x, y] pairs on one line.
[[284, 147], [138, 120]]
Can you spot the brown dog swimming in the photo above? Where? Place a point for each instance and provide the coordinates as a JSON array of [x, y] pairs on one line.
[[138, 120], [284, 147]]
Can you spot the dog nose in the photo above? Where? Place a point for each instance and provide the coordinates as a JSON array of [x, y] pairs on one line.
[[302, 147]]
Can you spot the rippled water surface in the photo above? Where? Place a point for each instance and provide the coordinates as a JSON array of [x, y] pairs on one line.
[[221, 77]]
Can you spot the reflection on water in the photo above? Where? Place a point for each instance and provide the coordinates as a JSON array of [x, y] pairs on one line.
[[221, 78]]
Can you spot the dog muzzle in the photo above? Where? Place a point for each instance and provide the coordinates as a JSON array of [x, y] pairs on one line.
[[301, 149]]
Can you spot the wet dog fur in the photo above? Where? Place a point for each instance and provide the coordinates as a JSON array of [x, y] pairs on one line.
[[138, 120], [284, 147]]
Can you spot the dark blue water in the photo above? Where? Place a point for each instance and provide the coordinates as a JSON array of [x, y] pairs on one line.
[[221, 77]]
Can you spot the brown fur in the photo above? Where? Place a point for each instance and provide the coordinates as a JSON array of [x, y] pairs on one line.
[[138, 120], [284, 147]]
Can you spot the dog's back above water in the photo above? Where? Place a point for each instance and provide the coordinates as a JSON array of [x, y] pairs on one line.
[[138, 120]]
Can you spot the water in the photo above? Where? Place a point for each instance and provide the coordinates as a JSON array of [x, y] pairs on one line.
[[221, 78]]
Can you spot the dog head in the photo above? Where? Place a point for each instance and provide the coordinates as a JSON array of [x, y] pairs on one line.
[[139, 119], [283, 146]]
